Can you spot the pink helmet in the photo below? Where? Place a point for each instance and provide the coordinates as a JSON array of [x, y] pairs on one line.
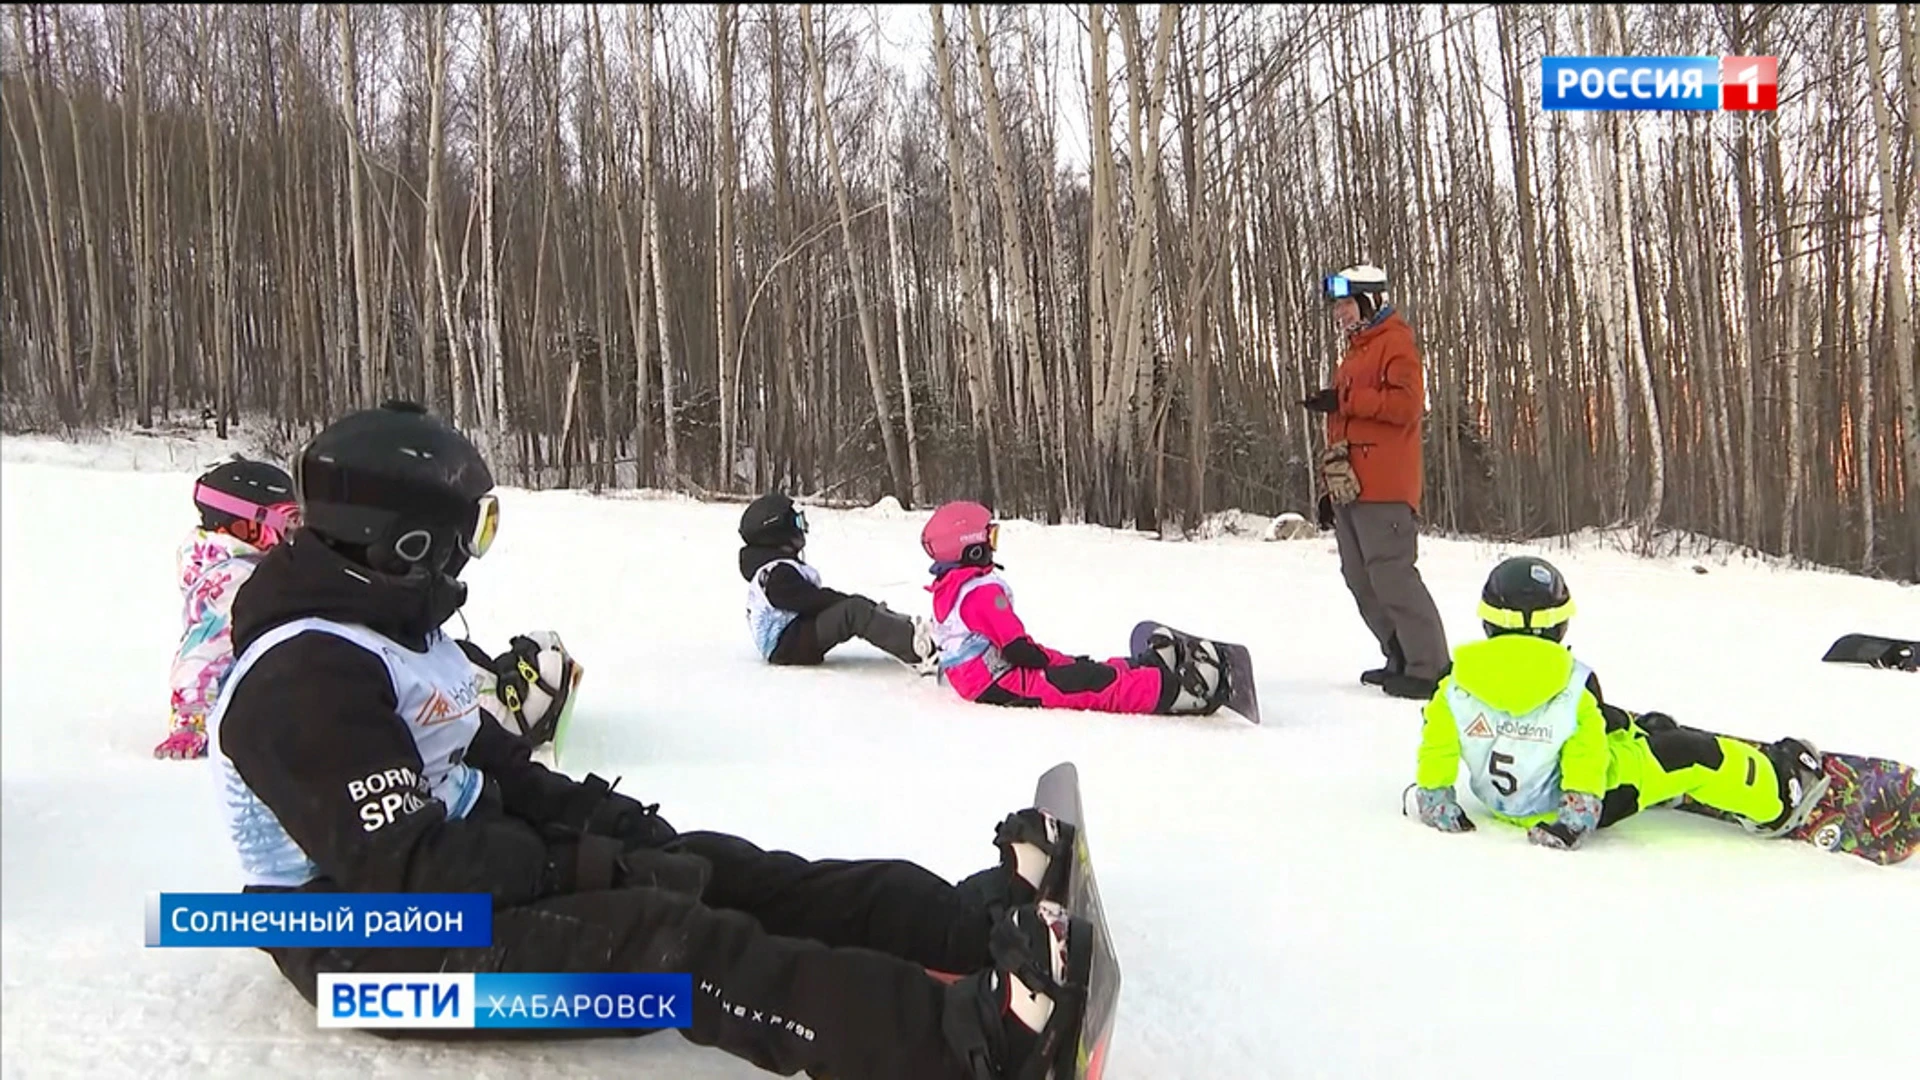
[[961, 532]]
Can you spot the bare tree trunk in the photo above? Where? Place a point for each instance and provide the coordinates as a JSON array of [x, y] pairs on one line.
[[1899, 310], [899, 283], [726, 176], [1014, 249], [217, 239], [433, 276], [896, 464], [650, 200], [1067, 383], [99, 400], [491, 314], [972, 293], [144, 214], [356, 203], [55, 261], [1656, 439], [1796, 344]]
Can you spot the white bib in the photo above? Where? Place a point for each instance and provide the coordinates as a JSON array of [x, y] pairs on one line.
[[1514, 760], [435, 694], [765, 621], [958, 642]]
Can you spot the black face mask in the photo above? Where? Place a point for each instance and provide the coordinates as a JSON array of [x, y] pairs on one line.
[[439, 595]]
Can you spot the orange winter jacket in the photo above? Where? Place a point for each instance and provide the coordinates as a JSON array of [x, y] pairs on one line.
[[1382, 399]]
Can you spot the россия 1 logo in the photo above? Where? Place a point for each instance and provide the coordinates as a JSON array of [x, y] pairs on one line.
[[1660, 83]]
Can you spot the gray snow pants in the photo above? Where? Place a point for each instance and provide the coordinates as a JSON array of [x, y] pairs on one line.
[[1379, 543], [808, 638]]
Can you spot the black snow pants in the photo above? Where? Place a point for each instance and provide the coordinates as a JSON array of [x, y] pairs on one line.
[[797, 965]]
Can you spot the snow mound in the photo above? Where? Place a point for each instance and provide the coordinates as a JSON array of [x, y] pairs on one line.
[[1290, 526]]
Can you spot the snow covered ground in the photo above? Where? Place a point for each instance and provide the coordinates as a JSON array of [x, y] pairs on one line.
[[1275, 915]]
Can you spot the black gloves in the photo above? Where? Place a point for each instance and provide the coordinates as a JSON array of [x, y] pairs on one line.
[[1021, 652], [1322, 401], [595, 809]]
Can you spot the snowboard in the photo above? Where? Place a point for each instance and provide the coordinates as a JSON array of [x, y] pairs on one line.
[[566, 715], [1243, 696], [1058, 793], [1874, 651], [1871, 809]]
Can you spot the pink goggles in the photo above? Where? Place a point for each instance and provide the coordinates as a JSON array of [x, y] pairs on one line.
[[275, 522]]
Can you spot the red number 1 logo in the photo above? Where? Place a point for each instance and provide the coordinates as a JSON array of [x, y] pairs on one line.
[[1749, 83]]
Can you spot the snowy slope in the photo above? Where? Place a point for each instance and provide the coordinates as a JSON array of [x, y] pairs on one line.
[[1275, 914]]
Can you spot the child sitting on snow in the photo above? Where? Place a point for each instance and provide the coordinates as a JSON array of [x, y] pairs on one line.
[[987, 655], [793, 618], [246, 507], [1544, 752]]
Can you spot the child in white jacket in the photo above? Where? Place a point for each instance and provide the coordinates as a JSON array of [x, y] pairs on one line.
[[246, 507]]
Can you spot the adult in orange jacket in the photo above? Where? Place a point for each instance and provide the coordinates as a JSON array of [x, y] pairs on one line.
[[1373, 471]]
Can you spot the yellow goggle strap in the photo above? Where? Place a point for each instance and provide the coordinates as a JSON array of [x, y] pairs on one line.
[[1526, 620]]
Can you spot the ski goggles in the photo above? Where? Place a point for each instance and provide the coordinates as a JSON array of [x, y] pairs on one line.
[[1336, 286], [417, 545], [800, 519], [271, 523]]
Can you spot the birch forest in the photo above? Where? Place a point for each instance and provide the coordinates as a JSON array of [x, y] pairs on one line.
[[1064, 260]]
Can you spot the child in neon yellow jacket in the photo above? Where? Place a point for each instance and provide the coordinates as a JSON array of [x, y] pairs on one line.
[[1544, 751]]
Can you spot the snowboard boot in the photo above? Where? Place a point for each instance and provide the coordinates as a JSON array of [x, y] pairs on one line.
[[1020, 1019], [1396, 665], [926, 648], [1411, 687], [1037, 850], [1803, 781], [1196, 681]]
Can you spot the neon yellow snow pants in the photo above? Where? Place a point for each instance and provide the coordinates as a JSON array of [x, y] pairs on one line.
[[1648, 768]]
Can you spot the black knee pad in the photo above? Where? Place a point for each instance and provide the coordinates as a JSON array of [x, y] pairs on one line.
[[1679, 748], [1000, 695], [1621, 803], [1081, 676]]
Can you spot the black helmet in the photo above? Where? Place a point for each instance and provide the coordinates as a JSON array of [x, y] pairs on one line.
[[1525, 595], [240, 490], [396, 488], [772, 521]]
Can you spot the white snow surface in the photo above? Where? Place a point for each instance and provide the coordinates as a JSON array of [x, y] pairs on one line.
[[1274, 913]]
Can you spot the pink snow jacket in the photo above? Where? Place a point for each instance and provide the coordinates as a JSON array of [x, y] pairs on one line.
[[212, 567], [965, 626]]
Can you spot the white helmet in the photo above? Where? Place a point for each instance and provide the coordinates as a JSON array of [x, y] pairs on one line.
[[1365, 284]]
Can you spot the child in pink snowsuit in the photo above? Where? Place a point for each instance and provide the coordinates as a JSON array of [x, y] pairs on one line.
[[986, 653], [246, 507]]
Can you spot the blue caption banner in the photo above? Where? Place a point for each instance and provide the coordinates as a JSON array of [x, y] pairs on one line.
[[319, 920], [1630, 83], [504, 1000]]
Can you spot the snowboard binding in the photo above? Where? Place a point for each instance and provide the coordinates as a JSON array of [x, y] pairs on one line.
[[1197, 669], [1037, 849], [1020, 1019]]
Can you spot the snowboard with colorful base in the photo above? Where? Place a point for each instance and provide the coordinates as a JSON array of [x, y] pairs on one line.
[[1871, 809], [1058, 793], [1242, 696], [1880, 652]]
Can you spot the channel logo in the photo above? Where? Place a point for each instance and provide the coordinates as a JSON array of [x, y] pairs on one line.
[[502, 1000], [1660, 83]]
